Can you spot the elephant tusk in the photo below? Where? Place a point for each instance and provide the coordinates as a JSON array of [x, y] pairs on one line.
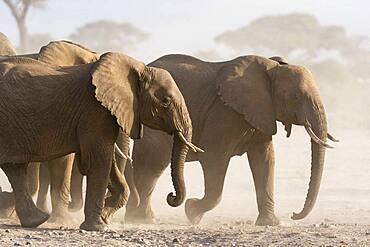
[[315, 138], [189, 144], [119, 151], [332, 138]]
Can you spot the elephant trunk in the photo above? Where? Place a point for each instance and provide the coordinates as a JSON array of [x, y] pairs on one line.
[[318, 133], [180, 148]]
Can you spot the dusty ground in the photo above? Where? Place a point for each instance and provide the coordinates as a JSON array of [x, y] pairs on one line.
[[341, 216], [215, 232]]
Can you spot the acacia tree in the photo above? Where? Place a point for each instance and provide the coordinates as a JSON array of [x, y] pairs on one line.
[[285, 34], [19, 10], [107, 35]]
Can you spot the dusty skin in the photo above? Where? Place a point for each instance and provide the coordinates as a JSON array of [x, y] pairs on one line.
[[341, 216]]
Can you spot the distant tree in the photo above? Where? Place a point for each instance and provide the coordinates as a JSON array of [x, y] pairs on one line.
[[107, 35], [285, 34], [19, 10]]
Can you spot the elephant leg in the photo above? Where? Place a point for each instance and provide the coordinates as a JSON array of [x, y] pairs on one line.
[[214, 171], [119, 193], [33, 178], [100, 163], [76, 189], [60, 170], [6, 204], [7, 198], [28, 214], [139, 205], [44, 180], [262, 161], [118, 188]]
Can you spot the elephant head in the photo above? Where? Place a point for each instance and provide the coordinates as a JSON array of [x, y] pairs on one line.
[[137, 94], [269, 90], [6, 49]]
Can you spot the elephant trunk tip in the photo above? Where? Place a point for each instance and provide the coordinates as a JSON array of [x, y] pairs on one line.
[[298, 216], [174, 201]]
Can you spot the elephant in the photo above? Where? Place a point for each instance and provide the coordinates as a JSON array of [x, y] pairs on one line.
[[62, 53], [57, 173], [6, 198], [50, 111], [234, 106]]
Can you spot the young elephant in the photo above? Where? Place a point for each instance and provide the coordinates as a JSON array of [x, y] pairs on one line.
[[237, 102], [48, 112]]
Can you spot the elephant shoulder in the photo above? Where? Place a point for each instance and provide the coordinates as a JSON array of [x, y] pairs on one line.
[[182, 61]]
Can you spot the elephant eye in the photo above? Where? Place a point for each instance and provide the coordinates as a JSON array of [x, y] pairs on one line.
[[165, 102]]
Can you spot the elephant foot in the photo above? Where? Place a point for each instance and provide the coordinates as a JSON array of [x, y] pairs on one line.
[[140, 217], [192, 211], [6, 204], [270, 220], [98, 226], [75, 206], [34, 219]]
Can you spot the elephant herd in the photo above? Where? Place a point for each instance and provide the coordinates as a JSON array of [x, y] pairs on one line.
[[68, 112]]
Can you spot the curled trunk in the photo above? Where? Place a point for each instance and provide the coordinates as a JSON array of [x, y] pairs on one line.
[[319, 126], [179, 152]]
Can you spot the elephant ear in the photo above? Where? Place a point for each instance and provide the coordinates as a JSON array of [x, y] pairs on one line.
[[116, 80], [244, 85], [6, 49], [66, 53], [280, 60]]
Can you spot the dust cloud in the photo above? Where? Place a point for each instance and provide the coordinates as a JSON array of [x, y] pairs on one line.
[[339, 61]]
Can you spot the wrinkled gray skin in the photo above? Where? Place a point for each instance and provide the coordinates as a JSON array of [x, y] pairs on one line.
[[234, 107], [63, 101], [65, 181], [62, 53], [6, 198]]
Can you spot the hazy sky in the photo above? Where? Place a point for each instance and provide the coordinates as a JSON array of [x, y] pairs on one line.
[[183, 26]]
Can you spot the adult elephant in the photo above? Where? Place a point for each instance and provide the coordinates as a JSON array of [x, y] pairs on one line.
[[6, 198], [62, 53], [62, 174], [234, 106], [50, 111]]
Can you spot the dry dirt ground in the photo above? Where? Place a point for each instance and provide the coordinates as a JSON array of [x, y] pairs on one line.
[[341, 216], [216, 232]]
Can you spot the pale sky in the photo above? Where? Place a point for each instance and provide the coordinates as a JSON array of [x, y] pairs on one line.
[[185, 26]]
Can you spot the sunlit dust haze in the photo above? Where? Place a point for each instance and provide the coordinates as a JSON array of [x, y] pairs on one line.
[[331, 38]]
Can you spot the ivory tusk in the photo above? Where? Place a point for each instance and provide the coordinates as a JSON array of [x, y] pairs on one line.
[[189, 144], [315, 138], [119, 151], [332, 138]]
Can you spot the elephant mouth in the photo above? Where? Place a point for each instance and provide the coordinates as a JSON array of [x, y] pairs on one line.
[[307, 126], [316, 139]]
